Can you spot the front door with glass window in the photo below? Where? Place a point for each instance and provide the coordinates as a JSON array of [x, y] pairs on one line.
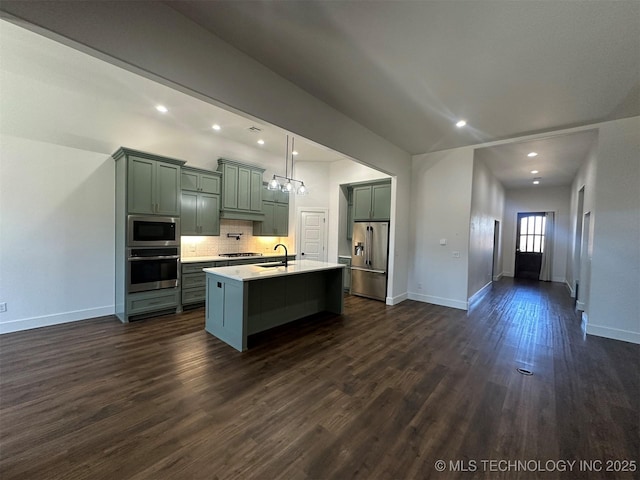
[[529, 244]]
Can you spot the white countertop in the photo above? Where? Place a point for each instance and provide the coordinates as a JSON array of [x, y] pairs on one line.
[[258, 258], [246, 273]]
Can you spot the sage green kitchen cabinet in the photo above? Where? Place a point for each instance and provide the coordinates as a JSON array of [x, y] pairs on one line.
[[147, 184], [275, 222], [282, 219], [200, 202], [194, 281], [196, 180], [381, 202], [143, 303], [241, 190], [372, 202], [153, 187], [200, 214]]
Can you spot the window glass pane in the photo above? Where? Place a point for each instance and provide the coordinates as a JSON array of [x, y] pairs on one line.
[[542, 245], [523, 243], [536, 242], [532, 224], [523, 225], [538, 226], [544, 224]]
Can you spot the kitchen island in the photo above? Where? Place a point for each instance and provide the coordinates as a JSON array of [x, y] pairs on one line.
[[245, 299]]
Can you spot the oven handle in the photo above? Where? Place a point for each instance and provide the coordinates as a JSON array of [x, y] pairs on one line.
[[160, 257]]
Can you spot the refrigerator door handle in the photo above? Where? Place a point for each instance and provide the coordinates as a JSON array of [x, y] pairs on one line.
[[368, 270], [369, 243]]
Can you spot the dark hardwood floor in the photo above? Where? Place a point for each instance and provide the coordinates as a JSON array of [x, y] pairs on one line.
[[379, 393]]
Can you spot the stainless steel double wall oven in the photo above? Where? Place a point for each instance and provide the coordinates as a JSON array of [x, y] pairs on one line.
[[153, 253]]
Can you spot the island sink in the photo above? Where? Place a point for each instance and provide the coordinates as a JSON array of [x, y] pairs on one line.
[[271, 265]]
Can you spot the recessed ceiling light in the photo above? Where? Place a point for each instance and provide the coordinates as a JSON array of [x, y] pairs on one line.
[[261, 142], [534, 171], [461, 123], [162, 108], [216, 126], [536, 182], [532, 154], [295, 152]]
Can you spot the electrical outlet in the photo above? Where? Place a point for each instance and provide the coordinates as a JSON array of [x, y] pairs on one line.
[[419, 286], [3, 307], [456, 254]]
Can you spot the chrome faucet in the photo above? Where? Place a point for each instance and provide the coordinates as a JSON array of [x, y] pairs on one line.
[[286, 253]]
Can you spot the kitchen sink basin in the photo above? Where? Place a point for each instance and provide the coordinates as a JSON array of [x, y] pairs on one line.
[[270, 265]]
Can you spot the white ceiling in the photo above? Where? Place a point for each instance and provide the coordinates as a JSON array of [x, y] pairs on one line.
[[405, 69], [558, 160], [53, 93], [408, 70]]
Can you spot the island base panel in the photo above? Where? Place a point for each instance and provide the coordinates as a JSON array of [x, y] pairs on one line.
[[238, 309], [225, 317]]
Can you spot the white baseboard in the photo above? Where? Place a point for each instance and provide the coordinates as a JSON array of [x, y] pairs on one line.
[[497, 277], [478, 294], [507, 274], [445, 302], [559, 279], [397, 299], [572, 293], [580, 306], [613, 333], [56, 319]]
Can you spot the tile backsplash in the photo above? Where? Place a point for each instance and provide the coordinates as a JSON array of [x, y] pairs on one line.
[[213, 246]]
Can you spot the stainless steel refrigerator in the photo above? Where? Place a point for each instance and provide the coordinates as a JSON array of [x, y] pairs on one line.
[[369, 253]]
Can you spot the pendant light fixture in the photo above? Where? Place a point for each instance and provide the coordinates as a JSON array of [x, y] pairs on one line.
[[288, 186]]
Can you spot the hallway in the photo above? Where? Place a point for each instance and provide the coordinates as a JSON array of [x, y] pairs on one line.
[[381, 392]]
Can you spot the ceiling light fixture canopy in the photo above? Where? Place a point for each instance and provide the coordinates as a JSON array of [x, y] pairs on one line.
[[461, 123], [288, 186]]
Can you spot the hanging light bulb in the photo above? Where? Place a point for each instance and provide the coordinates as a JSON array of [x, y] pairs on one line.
[[302, 190], [273, 184], [288, 187]]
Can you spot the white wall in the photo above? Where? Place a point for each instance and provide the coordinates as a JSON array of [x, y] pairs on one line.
[[440, 208], [585, 178], [487, 206], [193, 60], [614, 296], [545, 199], [56, 234], [316, 178]]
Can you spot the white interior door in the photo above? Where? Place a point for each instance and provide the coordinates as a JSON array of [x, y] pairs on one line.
[[313, 244]]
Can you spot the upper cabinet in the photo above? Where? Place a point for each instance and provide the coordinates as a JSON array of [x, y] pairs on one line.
[[241, 190], [200, 212], [275, 206], [196, 180], [372, 202], [153, 182]]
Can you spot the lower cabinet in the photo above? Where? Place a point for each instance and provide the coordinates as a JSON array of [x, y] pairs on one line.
[[194, 281], [152, 301], [346, 272]]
